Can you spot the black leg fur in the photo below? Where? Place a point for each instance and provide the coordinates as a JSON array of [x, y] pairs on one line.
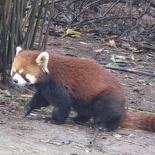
[[36, 102], [59, 115], [80, 119], [108, 110], [59, 97]]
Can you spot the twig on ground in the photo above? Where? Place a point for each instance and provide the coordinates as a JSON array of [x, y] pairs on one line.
[[131, 70]]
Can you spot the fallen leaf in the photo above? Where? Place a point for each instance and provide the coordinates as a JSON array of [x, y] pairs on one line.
[[112, 64], [142, 82], [111, 43], [71, 32], [84, 43], [99, 50]]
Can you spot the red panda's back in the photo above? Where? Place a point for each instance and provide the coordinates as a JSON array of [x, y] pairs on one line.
[[84, 76]]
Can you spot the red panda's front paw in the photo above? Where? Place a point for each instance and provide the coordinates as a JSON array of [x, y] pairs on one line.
[[27, 110]]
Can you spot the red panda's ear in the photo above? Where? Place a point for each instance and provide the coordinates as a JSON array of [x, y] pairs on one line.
[[18, 49], [42, 61]]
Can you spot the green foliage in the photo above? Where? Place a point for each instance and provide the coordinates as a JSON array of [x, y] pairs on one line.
[[19, 23]]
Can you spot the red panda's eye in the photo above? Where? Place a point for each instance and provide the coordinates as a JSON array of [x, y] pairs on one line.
[[21, 72]]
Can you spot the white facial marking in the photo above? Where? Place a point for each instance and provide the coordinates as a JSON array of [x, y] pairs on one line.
[[21, 71], [31, 78], [17, 78], [13, 70]]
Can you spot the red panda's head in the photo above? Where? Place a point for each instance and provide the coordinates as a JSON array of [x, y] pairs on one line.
[[29, 67]]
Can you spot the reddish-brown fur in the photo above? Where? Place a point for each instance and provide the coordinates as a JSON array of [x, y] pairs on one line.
[[88, 79], [139, 120]]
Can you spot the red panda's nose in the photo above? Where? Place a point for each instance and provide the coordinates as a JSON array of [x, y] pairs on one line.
[[15, 81]]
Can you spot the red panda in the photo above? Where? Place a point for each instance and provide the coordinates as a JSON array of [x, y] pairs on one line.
[[72, 82]]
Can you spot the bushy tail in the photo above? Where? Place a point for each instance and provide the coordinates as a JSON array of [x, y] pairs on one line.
[[139, 120]]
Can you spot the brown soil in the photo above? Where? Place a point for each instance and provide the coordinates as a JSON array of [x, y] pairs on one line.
[[30, 135]]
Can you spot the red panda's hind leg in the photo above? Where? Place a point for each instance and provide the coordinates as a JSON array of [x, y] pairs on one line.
[[59, 115], [107, 110]]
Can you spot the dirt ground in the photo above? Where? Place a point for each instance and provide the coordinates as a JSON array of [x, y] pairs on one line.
[[32, 136]]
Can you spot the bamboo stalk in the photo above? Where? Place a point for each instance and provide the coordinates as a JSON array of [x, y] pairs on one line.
[[37, 24], [42, 27], [48, 26], [4, 33], [29, 32], [8, 7], [13, 24], [26, 19], [21, 12], [29, 41], [32, 23], [8, 10], [18, 19]]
